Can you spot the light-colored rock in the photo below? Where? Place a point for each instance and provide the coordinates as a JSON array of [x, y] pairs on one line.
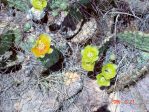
[[88, 30]]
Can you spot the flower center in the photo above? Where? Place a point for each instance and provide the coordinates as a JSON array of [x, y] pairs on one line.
[[90, 54], [41, 46], [102, 79]]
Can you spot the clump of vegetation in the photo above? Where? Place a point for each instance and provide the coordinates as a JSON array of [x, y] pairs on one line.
[[90, 55], [6, 41], [9, 50], [21, 5], [58, 5]]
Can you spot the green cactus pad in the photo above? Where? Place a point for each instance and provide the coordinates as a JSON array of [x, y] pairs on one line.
[[138, 39], [6, 41]]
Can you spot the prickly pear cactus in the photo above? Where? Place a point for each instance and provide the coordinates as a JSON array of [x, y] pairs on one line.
[[138, 39], [21, 5], [58, 5], [6, 41], [51, 59], [8, 54]]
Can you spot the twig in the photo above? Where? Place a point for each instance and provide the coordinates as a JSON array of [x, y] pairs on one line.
[[124, 13]]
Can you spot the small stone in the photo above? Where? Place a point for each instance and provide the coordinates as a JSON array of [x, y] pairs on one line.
[[17, 106], [87, 32], [71, 77]]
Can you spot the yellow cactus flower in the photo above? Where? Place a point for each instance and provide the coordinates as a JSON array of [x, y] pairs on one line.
[[39, 4], [88, 66], [102, 81], [109, 70], [42, 46]]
